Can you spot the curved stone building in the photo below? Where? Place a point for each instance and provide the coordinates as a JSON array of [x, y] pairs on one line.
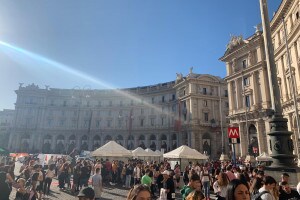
[[162, 116]]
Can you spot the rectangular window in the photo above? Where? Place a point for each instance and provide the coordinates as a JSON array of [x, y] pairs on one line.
[[163, 99], [247, 101], [142, 122], [162, 121], [244, 63], [226, 104], [86, 123], [152, 100], [173, 97], [206, 117], [205, 103], [226, 93], [152, 121], [246, 81], [204, 91], [65, 103], [97, 123]]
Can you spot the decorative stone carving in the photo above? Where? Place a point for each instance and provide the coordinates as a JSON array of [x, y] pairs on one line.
[[234, 41]]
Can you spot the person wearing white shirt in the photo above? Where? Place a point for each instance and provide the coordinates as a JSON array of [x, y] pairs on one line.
[[269, 185]]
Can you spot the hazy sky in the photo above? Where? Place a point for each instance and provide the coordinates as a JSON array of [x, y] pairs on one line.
[[116, 43]]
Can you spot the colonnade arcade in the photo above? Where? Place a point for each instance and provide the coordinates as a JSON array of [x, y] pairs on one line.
[[63, 143]]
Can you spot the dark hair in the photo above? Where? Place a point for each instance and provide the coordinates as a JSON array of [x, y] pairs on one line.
[[231, 187], [285, 174], [194, 177], [133, 192], [284, 183], [97, 170], [269, 180], [256, 185]]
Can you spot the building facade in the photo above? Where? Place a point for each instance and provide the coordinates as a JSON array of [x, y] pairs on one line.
[[6, 123], [159, 116], [247, 79]]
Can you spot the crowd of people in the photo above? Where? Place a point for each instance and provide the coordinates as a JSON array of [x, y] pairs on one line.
[[144, 180]]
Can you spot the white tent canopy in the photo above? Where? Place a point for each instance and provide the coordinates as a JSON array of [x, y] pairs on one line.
[[264, 157], [139, 152], [111, 149], [152, 153], [158, 152], [185, 152]]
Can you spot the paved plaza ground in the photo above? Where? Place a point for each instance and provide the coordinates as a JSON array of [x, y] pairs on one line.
[[110, 192]]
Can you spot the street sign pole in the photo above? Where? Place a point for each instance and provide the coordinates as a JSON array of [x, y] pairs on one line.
[[234, 158]]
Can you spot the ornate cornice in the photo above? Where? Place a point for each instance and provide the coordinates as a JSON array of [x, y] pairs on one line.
[[280, 13]]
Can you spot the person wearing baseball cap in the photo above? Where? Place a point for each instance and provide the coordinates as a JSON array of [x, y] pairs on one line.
[[86, 194]]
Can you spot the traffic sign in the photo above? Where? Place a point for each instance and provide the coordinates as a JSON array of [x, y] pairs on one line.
[[233, 132]]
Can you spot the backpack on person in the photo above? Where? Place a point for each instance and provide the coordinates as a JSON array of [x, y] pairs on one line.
[[258, 195]]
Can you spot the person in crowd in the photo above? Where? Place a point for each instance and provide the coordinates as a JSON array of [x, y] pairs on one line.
[[4, 186], [229, 173], [236, 190], [266, 192], [177, 174], [84, 175], [169, 185], [139, 192], [76, 177], [287, 192], [159, 180], [194, 182], [34, 182], [129, 172], [206, 180], [21, 193], [146, 180], [62, 175], [97, 184], [86, 193], [186, 175], [195, 195], [284, 178], [256, 184], [220, 185], [137, 174], [50, 174]]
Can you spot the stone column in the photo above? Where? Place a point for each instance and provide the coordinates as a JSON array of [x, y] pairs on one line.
[[265, 94], [230, 95], [285, 88], [261, 136], [243, 139], [238, 90], [255, 90]]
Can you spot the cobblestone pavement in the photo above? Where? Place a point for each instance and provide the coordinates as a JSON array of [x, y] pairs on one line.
[[110, 192]]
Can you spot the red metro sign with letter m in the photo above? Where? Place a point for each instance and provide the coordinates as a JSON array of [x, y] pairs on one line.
[[233, 132]]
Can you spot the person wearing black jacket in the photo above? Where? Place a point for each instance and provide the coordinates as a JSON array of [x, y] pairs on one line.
[[4, 187], [287, 193]]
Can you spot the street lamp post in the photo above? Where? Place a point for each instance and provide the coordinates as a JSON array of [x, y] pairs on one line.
[[280, 142]]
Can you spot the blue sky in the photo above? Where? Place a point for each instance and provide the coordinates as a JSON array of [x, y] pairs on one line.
[[116, 43]]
